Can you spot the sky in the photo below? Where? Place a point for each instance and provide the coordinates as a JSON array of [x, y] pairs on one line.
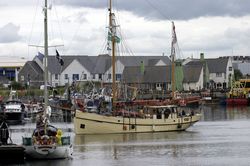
[[213, 27]]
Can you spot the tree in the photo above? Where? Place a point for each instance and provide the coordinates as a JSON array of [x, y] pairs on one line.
[[16, 85], [237, 74]]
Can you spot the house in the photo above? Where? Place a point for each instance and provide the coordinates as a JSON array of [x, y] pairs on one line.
[[159, 77], [31, 74], [84, 68], [75, 68], [193, 77], [103, 67], [220, 72], [9, 68], [217, 72]]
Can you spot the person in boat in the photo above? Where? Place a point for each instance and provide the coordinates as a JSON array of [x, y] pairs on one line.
[[39, 119], [4, 133], [183, 113], [167, 113], [192, 113]]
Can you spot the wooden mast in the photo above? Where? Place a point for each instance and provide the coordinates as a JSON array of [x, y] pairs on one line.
[[112, 31], [45, 60], [174, 40]]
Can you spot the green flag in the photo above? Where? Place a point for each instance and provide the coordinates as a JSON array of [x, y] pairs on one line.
[[117, 39], [142, 67]]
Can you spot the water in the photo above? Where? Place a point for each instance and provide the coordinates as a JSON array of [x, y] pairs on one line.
[[221, 138]]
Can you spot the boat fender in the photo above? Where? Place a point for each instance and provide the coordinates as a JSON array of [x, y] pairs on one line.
[[59, 137]]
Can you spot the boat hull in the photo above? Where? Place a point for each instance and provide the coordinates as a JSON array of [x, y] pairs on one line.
[[91, 123], [15, 118], [48, 152]]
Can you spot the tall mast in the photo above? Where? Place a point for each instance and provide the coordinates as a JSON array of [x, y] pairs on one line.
[[112, 31], [45, 60], [174, 41]]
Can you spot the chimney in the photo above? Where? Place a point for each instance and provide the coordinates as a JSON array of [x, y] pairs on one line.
[[202, 56]]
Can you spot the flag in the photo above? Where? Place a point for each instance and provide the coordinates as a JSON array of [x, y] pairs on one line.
[[142, 67], [117, 39], [40, 56], [61, 62], [174, 38], [59, 58], [57, 55]]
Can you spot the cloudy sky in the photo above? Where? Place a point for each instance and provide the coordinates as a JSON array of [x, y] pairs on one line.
[[215, 27]]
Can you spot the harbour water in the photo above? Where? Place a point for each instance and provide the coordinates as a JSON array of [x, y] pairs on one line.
[[221, 138]]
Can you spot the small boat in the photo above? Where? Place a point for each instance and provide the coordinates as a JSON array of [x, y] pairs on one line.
[[9, 152], [237, 95], [13, 109], [47, 141]]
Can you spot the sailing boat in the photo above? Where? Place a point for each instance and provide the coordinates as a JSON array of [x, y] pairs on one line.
[[47, 141], [124, 118]]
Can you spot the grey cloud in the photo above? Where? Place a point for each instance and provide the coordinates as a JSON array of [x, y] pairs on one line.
[[9, 33], [172, 9]]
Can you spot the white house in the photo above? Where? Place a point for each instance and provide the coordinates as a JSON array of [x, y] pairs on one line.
[[220, 72]]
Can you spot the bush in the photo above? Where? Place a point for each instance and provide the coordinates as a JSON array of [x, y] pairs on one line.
[[16, 85]]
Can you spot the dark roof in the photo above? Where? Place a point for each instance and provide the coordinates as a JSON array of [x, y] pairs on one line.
[[195, 62], [132, 74], [159, 74], [35, 67], [103, 62], [100, 63], [191, 73], [54, 66], [148, 60], [218, 65], [152, 74]]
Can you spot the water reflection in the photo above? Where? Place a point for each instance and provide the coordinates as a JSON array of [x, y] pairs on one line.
[[221, 113]]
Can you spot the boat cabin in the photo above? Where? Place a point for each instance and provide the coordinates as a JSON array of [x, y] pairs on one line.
[[163, 112]]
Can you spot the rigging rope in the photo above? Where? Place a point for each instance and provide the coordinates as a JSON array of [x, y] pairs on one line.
[[181, 56]]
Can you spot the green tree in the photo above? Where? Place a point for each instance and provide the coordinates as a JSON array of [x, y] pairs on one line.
[[237, 74], [16, 85]]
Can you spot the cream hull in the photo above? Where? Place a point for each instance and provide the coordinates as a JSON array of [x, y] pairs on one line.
[[91, 123]]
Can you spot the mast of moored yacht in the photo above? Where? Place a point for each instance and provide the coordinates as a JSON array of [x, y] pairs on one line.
[[112, 31], [174, 40], [45, 59]]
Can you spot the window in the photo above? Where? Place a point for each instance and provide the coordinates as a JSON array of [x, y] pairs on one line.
[[66, 76], [22, 78], [230, 68], [109, 76], [75, 76], [218, 74], [93, 76], [56, 76], [118, 77], [84, 76], [100, 76]]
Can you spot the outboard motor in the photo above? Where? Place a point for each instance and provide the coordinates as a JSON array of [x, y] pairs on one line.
[[4, 133]]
